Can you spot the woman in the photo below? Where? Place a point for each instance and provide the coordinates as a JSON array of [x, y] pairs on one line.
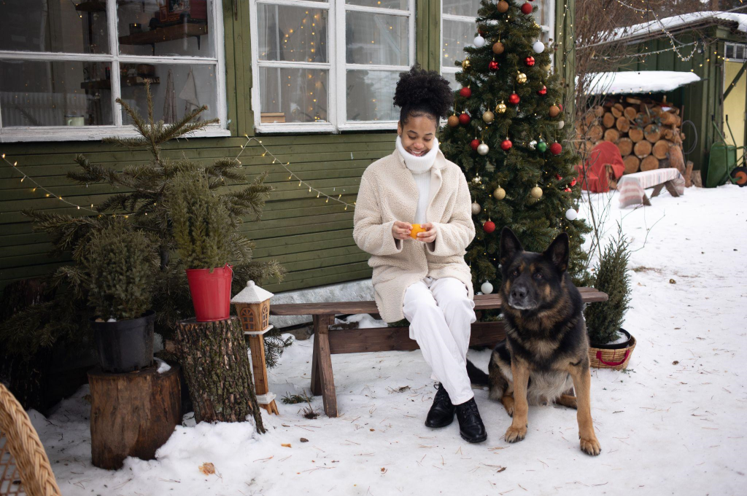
[[424, 279]]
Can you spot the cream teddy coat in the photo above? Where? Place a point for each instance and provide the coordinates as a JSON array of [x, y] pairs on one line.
[[388, 193]]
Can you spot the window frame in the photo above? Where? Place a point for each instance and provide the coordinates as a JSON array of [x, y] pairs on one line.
[[114, 58], [337, 67], [452, 69], [735, 47]]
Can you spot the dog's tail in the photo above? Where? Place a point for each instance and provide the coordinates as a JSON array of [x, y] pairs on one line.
[[477, 376]]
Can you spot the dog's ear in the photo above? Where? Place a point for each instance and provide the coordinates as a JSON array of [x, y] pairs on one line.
[[509, 245], [559, 252]]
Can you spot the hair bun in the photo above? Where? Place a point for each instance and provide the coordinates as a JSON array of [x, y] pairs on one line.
[[418, 88]]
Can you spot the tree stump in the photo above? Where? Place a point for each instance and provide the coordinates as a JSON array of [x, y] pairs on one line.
[[217, 370], [132, 414]]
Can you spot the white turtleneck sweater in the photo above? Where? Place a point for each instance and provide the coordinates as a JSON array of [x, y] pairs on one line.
[[421, 169]]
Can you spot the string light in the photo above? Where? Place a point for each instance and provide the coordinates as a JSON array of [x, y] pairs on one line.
[[47, 193], [310, 189]]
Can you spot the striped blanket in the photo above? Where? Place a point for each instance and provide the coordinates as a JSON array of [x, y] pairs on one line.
[[632, 186]]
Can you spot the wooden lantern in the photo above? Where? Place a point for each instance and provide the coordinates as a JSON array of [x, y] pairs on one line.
[[253, 308]]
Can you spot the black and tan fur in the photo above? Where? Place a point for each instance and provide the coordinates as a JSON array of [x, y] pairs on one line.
[[546, 350]]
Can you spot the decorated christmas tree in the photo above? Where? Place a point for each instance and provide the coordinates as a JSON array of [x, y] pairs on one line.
[[509, 136]]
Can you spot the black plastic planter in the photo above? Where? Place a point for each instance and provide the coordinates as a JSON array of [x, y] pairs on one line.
[[125, 345]]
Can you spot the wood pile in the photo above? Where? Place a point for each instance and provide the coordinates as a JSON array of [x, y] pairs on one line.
[[648, 133]]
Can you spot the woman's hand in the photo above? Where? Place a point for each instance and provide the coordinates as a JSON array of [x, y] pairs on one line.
[[401, 230], [429, 234]]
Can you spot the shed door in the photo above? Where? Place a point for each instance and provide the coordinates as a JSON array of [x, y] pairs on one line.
[[734, 106]]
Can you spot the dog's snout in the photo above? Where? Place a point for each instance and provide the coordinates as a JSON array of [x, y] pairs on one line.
[[519, 292]]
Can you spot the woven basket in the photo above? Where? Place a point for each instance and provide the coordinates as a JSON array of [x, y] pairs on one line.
[[612, 358], [25, 449]]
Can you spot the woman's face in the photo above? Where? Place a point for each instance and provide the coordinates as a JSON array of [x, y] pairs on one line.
[[417, 135]]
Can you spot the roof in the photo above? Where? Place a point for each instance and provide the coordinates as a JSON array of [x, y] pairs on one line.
[[614, 83], [680, 22]]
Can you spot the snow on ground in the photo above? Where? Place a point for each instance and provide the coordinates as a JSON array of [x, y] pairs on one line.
[[613, 83], [674, 423]]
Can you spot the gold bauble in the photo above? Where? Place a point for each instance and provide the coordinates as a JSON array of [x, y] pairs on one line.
[[499, 193], [537, 192], [501, 108], [522, 78], [553, 111], [488, 117], [466, 64], [498, 48], [453, 121], [502, 6]]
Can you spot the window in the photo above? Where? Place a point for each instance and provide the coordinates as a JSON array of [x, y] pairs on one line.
[[736, 52], [459, 29], [63, 63], [329, 65]]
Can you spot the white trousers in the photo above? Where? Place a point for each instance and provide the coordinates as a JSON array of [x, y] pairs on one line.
[[441, 314]]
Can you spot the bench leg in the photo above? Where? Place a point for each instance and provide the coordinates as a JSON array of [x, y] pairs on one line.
[[671, 188], [645, 200], [316, 382], [324, 374], [657, 190]]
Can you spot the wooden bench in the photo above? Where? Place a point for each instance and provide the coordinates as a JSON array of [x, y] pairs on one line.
[[334, 341]]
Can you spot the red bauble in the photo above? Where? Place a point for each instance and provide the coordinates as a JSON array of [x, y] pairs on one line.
[[542, 91], [526, 8], [506, 144], [555, 148], [464, 118], [567, 190], [489, 226], [465, 92], [559, 178], [475, 144], [561, 109], [493, 65], [530, 61], [514, 99], [573, 182]]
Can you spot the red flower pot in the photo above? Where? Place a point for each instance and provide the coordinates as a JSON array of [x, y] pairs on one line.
[[211, 292]]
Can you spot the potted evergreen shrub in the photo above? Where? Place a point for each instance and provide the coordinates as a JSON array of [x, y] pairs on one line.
[[203, 232], [610, 345], [117, 265]]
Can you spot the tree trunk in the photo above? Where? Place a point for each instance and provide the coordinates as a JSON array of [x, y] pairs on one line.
[[217, 370], [132, 414], [625, 146], [649, 163], [631, 164]]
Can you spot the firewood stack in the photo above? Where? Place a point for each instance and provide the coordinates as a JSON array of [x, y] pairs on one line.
[[647, 133]]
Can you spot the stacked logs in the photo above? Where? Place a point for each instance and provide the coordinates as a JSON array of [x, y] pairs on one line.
[[648, 133]]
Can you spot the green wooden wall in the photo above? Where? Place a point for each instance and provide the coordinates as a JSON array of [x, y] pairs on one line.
[[702, 101], [312, 239]]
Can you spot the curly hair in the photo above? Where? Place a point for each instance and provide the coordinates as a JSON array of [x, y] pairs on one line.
[[420, 92]]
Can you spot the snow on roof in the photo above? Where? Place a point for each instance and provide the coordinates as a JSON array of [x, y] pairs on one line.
[[614, 83], [678, 21]]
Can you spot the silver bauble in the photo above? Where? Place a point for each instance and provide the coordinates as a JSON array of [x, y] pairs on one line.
[[475, 208], [532, 144], [487, 288], [483, 149]]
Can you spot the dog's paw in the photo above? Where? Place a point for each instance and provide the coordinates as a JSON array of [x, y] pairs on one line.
[[590, 446], [515, 434]]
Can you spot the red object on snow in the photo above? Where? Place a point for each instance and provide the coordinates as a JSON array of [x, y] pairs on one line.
[[603, 157]]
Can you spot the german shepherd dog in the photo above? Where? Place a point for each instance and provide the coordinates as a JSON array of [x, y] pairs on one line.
[[546, 349]]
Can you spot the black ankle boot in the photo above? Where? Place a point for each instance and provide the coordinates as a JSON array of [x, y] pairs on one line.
[[471, 427], [442, 412]]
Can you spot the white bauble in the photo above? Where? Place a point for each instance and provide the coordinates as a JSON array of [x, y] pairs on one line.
[[475, 208], [571, 214], [560, 124], [479, 41], [483, 149], [532, 144], [487, 288], [538, 47], [500, 193]]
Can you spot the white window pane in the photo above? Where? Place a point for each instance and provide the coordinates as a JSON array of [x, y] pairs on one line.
[[376, 39], [450, 76], [166, 27], [55, 93], [177, 89], [544, 18], [369, 96], [455, 36], [295, 34], [461, 7], [385, 4], [729, 51], [293, 95], [53, 26]]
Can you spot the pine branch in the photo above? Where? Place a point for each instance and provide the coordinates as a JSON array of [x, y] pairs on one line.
[[65, 231]]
